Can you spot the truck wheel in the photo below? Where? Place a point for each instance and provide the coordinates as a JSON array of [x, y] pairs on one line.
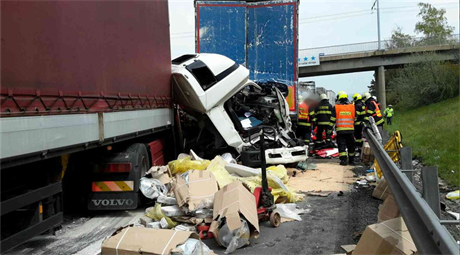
[[140, 167], [141, 163]]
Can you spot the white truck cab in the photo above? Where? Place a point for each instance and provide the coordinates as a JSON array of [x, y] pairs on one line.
[[216, 92]]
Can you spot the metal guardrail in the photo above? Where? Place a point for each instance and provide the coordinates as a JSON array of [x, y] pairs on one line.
[[429, 236], [385, 45]]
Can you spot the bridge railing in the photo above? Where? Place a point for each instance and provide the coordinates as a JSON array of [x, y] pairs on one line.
[[384, 45]]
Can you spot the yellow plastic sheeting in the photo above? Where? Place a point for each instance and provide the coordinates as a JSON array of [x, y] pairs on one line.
[[392, 147], [180, 166], [217, 167], [281, 192], [280, 171], [156, 214]]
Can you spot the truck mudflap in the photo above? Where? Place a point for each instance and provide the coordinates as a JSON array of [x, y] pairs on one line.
[[113, 200]]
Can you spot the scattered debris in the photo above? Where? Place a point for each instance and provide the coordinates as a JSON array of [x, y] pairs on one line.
[[132, 240], [348, 248], [454, 214], [290, 211], [454, 195], [381, 191], [152, 188], [319, 193], [234, 210], [388, 210], [375, 239], [195, 190]]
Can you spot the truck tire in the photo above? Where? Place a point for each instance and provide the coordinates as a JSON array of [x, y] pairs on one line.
[[141, 163]]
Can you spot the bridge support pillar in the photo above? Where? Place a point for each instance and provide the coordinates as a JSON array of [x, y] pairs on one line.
[[381, 91]]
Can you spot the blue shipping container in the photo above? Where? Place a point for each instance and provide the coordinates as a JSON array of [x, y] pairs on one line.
[[259, 35]]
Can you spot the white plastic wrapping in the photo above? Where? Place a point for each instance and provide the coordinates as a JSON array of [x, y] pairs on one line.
[[234, 239], [152, 188], [192, 247]]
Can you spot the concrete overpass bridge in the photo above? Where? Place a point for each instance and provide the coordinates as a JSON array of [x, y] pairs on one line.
[[365, 57]]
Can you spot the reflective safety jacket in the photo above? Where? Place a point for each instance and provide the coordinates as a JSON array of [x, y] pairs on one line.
[[373, 109], [304, 117], [344, 117], [389, 112], [360, 109], [323, 113]]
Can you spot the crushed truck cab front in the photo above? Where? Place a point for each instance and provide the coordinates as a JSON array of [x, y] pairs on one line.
[[223, 111]]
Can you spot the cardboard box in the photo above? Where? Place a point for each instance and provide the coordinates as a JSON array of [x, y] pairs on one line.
[[199, 192], [348, 248], [132, 240], [388, 237], [388, 210], [231, 201], [382, 191], [367, 149]]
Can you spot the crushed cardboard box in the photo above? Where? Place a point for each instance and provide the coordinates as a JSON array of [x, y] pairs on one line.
[[198, 192], [388, 210], [381, 191], [388, 237], [231, 201], [131, 240]]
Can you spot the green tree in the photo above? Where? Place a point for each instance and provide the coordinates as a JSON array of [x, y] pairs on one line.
[[399, 39], [434, 24]]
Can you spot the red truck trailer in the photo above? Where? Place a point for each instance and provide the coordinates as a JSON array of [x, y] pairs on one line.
[[85, 107]]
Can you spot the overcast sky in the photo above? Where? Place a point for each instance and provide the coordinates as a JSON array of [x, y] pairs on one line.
[[326, 23]]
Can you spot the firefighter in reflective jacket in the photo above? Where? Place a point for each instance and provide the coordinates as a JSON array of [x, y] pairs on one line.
[[360, 108], [344, 117], [322, 121], [304, 125], [373, 110]]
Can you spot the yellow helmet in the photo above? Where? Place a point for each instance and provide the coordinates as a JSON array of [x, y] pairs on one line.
[[343, 95], [339, 93], [357, 97]]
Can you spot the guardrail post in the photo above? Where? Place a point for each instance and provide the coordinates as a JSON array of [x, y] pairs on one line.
[[431, 188], [406, 162]]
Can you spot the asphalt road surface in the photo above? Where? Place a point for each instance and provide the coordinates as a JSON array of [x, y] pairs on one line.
[[329, 223]]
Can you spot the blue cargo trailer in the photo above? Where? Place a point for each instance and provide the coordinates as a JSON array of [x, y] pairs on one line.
[[261, 35]]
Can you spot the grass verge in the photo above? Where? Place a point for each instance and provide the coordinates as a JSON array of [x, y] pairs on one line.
[[433, 133]]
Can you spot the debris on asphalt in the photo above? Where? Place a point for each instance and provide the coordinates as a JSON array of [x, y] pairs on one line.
[[182, 165], [152, 188], [381, 191], [367, 157], [235, 213], [155, 225], [164, 200], [348, 248], [319, 193], [306, 165], [454, 214], [132, 240], [388, 210], [195, 190], [172, 211], [454, 195], [290, 211], [192, 247], [374, 239], [144, 220], [156, 214]]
